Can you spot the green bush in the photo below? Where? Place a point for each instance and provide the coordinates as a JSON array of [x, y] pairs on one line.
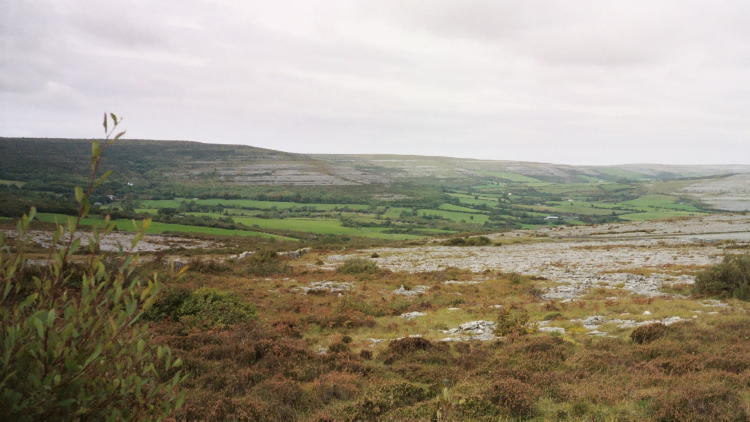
[[478, 241], [358, 266], [211, 308], [468, 241], [205, 307], [74, 350], [264, 263], [730, 278], [455, 241], [168, 305]]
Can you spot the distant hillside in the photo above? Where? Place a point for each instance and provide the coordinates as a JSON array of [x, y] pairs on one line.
[[56, 160]]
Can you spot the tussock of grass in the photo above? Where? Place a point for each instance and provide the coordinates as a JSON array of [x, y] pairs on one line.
[[358, 266]]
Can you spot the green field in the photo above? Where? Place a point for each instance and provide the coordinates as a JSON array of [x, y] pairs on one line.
[[573, 208], [469, 199], [661, 201], [249, 203], [157, 227], [321, 226], [451, 207], [457, 216]]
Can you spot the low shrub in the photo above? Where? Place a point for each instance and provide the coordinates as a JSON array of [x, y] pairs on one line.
[[456, 241], [515, 278], [168, 305], [512, 322], [264, 263], [697, 400], [358, 266], [468, 241], [514, 397], [478, 241], [338, 348], [207, 266], [215, 308], [342, 318], [408, 345], [730, 278], [552, 316], [648, 333], [385, 398], [205, 307], [336, 386]]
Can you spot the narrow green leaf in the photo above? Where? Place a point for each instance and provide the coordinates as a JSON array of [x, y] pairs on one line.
[[78, 193], [95, 149], [39, 327]]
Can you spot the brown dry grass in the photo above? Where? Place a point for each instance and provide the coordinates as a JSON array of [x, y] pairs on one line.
[[272, 370]]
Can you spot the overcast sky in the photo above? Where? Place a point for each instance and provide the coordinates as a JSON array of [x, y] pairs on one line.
[[579, 82]]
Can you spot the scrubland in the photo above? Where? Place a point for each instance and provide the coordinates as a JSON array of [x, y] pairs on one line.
[[359, 342]]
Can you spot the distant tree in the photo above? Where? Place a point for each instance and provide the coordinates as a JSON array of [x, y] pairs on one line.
[[167, 212]]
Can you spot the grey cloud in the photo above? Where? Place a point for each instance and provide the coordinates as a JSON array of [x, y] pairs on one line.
[[579, 82]]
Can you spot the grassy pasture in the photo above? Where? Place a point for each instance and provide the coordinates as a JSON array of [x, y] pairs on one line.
[[661, 201], [451, 207], [157, 227], [456, 216], [251, 204], [16, 183], [471, 200], [321, 226]]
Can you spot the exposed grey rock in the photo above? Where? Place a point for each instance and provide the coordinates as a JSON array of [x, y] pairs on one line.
[[461, 283], [593, 323], [559, 330], [714, 302], [473, 330], [242, 255], [296, 253], [327, 287], [414, 291], [412, 315], [584, 257]]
